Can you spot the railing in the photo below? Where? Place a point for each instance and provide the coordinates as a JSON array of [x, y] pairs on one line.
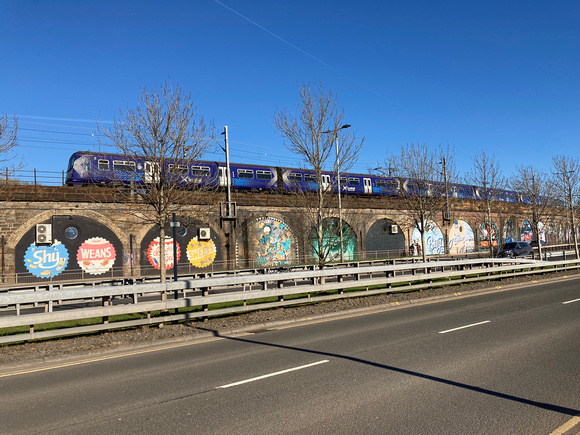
[[230, 294], [35, 178]]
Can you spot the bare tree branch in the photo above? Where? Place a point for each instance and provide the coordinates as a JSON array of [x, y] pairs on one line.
[[316, 132], [166, 132], [486, 172], [567, 187]]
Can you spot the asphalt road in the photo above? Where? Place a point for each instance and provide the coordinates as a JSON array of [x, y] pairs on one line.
[[506, 362]]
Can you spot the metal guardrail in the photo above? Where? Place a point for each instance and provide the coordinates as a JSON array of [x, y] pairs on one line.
[[262, 291]]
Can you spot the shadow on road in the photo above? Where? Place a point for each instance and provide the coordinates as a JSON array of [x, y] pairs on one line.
[[546, 406]]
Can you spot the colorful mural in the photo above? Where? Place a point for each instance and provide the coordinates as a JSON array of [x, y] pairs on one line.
[[46, 261], [509, 232], [96, 256], [271, 242], [434, 244], [331, 239], [461, 238], [201, 253], [527, 234], [487, 234], [154, 251]]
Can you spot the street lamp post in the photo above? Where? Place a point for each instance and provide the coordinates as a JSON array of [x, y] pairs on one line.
[[335, 131]]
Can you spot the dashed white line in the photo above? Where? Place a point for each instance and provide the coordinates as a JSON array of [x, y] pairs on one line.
[[273, 374], [569, 302], [463, 327]]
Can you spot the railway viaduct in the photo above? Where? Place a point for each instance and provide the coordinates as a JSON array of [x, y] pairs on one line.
[[93, 237]]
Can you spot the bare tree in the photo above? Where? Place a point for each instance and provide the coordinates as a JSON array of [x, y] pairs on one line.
[[8, 141], [567, 177], [423, 185], [317, 133], [486, 174], [537, 188], [166, 133]]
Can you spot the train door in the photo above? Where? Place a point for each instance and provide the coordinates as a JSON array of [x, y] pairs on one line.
[[368, 186], [223, 176], [150, 169], [325, 181]]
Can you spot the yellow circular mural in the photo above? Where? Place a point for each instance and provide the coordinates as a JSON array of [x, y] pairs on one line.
[[201, 253]]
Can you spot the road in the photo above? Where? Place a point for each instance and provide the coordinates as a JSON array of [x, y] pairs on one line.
[[502, 362]]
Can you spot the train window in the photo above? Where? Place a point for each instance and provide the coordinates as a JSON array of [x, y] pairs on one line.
[[200, 171], [294, 177], [353, 182], [103, 165], [123, 166], [309, 178], [381, 183], [343, 181], [264, 175], [393, 185], [245, 173], [178, 169]]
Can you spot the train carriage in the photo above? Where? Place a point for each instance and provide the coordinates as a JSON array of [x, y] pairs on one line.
[[86, 168]]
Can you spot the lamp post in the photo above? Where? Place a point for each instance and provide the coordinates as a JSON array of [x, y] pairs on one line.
[[335, 131]]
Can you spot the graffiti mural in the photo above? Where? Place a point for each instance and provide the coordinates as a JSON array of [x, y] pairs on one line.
[[331, 241], [197, 247], [201, 253], [89, 246], [154, 253], [46, 261], [487, 234], [509, 232], [434, 244], [96, 256], [461, 238], [270, 242]]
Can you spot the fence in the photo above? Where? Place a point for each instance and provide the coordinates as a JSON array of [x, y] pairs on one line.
[[109, 306]]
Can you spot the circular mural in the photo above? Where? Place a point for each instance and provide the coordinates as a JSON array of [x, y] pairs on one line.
[[269, 242]]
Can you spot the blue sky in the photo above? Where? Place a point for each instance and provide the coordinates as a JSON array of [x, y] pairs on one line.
[[500, 76]]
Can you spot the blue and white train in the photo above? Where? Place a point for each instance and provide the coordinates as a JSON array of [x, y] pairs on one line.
[[89, 168]]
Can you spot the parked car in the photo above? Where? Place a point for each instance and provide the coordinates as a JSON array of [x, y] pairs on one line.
[[515, 249], [534, 243]]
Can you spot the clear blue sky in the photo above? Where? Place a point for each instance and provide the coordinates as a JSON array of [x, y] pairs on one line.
[[500, 76]]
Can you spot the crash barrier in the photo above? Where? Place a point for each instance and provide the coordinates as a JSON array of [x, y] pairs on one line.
[[114, 307]]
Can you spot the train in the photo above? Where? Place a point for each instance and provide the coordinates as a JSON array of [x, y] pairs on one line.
[[90, 168]]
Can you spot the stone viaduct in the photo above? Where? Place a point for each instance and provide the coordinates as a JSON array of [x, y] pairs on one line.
[[93, 237]]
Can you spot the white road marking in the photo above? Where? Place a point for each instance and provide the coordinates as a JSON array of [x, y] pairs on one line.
[[273, 374], [569, 302], [463, 327]]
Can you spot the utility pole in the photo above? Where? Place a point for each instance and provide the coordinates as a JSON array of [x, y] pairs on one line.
[[230, 214]]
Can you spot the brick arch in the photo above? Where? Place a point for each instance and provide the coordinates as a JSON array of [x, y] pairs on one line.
[[48, 214]]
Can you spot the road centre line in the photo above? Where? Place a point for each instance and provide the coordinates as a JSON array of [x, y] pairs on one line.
[[463, 327], [569, 302], [234, 384]]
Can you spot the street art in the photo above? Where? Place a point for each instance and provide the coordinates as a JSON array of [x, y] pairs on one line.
[[96, 256], [528, 233], [509, 232], [154, 251], [487, 234], [331, 241], [46, 261], [272, 242], [201, 253], [461, 238], [434, 244]]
